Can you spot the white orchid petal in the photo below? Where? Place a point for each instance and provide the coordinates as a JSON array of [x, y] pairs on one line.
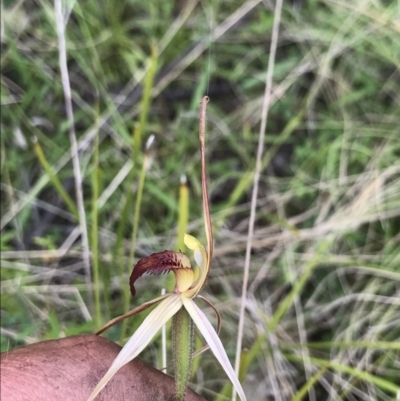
[[142, 336], [213, 341]]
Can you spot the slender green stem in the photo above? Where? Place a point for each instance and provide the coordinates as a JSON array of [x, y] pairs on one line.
[[94, 233], [182, 342], [118, 248], [183, 214], [137, 132], [54, 179], [145, 103], [126, 290], [137, 145]]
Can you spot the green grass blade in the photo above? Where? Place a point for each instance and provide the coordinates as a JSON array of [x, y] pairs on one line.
[[355, 372], [54, 179], [145, 103], [95, 230], [310, 383], [298, 286], [136, 218]]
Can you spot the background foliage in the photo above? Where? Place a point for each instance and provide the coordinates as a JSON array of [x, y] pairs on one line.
[[322, 314]]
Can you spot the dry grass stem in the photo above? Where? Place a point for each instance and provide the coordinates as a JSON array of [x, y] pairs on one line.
[[74, 146], [260, 149]]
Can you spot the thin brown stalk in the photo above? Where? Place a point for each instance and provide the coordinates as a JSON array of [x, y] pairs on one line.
[[206, 206]]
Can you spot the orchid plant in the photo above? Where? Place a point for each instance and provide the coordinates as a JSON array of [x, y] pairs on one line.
[[178, 305]]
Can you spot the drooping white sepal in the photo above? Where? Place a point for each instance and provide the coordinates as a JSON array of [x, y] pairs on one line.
[[213, 341], [142, 336]]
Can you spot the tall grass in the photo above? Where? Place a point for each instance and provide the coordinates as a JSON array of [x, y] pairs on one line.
[[321, 313]]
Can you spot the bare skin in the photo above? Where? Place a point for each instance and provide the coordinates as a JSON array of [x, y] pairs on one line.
[[69, 369]]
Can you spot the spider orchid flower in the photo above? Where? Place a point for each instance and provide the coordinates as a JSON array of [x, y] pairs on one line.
[[189, 282]]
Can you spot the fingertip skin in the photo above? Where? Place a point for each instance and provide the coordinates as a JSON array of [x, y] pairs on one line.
[[68, 369]]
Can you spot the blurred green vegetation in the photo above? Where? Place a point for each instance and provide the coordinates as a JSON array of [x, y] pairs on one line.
[[325, 265]]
